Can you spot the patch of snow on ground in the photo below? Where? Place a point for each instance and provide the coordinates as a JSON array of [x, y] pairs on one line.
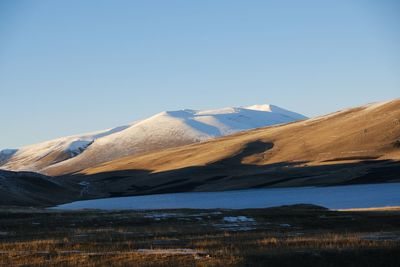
[[238, 219], [181, 216], [236, 223], [161, 216]]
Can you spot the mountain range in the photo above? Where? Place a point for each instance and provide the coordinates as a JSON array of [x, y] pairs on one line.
[[163, 130], [226, 149]]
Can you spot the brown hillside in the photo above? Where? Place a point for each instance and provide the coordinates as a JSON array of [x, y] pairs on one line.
[[369, 132]]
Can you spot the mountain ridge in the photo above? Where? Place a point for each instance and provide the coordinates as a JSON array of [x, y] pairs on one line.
[[358, 145], [163, 130]]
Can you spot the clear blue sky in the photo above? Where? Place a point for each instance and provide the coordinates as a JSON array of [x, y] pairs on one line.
[[71, 66]]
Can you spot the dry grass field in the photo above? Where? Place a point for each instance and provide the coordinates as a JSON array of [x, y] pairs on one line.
[[299, 235]]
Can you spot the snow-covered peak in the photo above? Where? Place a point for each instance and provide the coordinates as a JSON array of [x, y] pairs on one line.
[[211, 112], [262, 107], [163, 130], [276, 110]]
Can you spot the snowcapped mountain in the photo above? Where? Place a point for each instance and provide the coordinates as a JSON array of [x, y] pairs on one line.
[[163, 130]]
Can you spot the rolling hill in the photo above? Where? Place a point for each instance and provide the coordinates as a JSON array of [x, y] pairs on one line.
[[164, 130], [357, 145], [33, 189], [353, 146]]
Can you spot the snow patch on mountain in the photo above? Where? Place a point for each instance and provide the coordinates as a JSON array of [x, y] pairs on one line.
[[78, 146], [264, 107]]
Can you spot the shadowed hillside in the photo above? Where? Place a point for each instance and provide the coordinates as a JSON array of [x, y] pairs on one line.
[[32, 189]]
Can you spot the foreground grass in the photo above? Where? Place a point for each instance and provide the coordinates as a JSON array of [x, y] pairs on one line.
[[286, 236]]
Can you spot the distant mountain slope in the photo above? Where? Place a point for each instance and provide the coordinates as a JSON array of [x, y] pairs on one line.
[[358, 145], [38, 156], [164, 130]]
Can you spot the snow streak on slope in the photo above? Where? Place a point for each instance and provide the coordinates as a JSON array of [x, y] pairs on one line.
[[163, 130]]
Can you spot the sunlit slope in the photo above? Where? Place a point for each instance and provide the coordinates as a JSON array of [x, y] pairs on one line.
[[362, 133]]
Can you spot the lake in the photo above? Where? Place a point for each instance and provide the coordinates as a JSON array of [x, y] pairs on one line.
[[333, 197]]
